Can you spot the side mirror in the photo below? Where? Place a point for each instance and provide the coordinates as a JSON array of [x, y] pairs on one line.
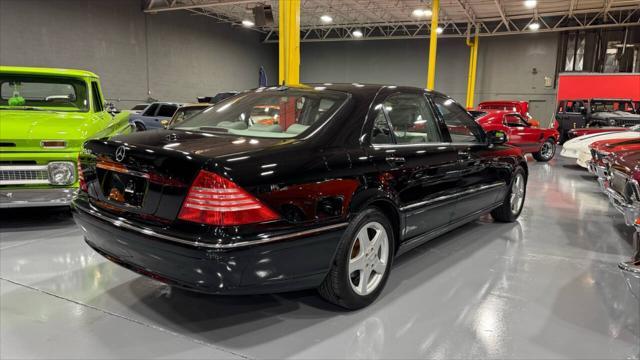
[[534, 123], [496, 137], [164, 123], [111, 108]]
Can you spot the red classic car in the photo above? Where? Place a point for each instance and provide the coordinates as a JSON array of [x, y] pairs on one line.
[[521, 132], [573, 133], [520, 107], [622, 184], [600, 150]]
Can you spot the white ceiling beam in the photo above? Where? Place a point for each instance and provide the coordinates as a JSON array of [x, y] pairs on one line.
[[151, 9], [502, 13]]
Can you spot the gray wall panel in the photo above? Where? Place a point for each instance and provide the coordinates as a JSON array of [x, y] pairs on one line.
[[505, 66], [187, 55]]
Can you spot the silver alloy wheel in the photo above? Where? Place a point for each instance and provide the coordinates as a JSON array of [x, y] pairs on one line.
[[368, 258], [547, 150], [517, 194]]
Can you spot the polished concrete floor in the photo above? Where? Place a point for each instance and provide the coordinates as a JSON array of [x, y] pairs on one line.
[[544, 287]]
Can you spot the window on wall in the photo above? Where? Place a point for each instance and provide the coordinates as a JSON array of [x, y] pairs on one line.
[[574, 60]]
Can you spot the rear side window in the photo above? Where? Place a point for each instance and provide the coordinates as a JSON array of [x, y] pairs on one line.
[[270, 114], [167, 110], [411, 118], [97, 97], [460, 123], [151, 110]]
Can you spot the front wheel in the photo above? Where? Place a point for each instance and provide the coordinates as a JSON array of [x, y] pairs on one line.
[[513, 203], [547, 151], [362, 263]]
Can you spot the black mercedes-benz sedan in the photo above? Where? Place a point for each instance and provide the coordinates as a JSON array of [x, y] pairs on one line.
[[286, 188]]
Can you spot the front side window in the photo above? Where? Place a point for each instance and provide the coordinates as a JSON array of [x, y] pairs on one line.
[[167, 110], [515, 120], [269, 114], [43, 92], [97, 97], [460, 123], [151, 110], [411, 119]]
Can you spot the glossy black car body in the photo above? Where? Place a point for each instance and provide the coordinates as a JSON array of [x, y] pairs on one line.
[[317, 182]]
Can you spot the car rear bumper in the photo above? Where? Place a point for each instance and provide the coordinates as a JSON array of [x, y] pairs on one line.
[[270, 267], [17, 198]]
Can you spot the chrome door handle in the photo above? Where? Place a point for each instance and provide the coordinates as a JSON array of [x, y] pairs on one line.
[[395, 160]]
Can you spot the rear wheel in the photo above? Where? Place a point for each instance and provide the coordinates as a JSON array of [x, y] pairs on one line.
[[513, 203], [140, 127], [362, 263], [547, 151]]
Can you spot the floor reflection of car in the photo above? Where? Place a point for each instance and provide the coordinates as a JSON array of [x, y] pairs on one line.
[[153, 115], [345, 178]]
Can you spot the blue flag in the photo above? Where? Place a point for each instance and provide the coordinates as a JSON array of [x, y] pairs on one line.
[[262, 77]]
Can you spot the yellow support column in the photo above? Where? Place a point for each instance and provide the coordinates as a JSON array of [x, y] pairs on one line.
[[473, 62], [289, 43], [433, 44]]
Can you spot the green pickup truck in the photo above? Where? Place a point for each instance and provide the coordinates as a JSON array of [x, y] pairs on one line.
[[45, 117]]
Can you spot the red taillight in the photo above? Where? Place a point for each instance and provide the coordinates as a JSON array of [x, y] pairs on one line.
[[81, 181], [215, 200]]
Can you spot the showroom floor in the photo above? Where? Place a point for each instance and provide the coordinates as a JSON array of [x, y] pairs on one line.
[[545, 287]]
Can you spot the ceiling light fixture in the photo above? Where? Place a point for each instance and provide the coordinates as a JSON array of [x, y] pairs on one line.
[[530, 4], [357, 34], [326, 19], [534, 26], [421, 12], [439, 30], [247, 23]]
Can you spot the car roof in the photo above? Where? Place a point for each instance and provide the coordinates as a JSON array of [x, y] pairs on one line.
[[47, 71]]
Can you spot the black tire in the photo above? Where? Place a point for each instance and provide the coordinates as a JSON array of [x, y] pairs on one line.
[[504, 213], [337, 286], [140, 127], [544, 156]]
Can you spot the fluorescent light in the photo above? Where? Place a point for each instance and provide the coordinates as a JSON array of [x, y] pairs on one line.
[[421, 12], [534, 26], [326, 19], [530, 4], [357, 34], [247, 23], [439, 30]]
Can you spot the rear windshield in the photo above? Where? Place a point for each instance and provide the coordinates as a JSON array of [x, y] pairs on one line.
[[43, 93], [140, 107], [269, 114]]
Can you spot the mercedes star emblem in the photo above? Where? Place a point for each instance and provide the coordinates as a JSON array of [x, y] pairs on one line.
[[120, 153]]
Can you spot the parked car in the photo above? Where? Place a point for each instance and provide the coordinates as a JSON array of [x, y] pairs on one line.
[[577, 148], [622, 185], [523, 133], [153, 115], [582, 113], [601, 150], [574, 133], [216, 98], [344, 179], [517, 106], [139, 108], [183, 113], [45, 116]]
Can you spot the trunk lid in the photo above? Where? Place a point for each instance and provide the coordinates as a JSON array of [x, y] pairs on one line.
[[148, 174]]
